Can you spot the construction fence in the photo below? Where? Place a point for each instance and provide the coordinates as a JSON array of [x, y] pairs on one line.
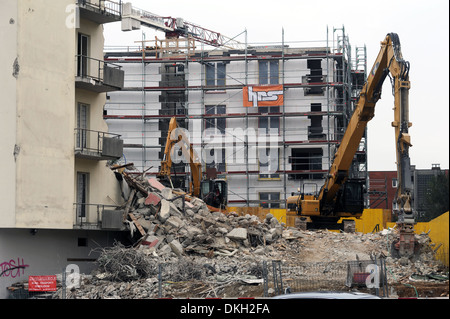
[[369, 276], [264, 279]]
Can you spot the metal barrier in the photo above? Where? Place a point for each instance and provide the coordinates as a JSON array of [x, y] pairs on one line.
[[89, 216], [366, 275], [106, 6], [92, 143], [88, 67]]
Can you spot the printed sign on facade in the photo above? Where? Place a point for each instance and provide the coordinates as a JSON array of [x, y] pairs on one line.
[[42, 283], [267, 95]]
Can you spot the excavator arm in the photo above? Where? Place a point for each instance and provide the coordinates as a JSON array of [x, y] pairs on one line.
[[177, 137], [389, 62]]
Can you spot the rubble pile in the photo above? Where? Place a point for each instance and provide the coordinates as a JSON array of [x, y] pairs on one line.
[[183, 249], [172, 223]]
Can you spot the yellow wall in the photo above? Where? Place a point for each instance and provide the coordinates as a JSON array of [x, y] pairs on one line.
[[370, 219], [438, 228]]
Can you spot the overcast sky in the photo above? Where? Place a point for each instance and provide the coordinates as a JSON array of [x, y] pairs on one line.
[[423, 28]]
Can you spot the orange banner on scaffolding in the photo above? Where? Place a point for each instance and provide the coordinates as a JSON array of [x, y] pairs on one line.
[[267, 95]]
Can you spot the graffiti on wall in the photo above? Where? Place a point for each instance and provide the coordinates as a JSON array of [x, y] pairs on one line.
[[13, 268]]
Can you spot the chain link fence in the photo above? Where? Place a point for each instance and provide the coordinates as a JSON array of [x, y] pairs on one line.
[[186, 279], [364, 275]]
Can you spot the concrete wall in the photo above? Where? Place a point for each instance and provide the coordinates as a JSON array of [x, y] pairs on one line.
[[47, 252], [40, 114], [8, 56]]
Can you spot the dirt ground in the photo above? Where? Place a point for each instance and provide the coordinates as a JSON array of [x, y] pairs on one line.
[[421, 289]]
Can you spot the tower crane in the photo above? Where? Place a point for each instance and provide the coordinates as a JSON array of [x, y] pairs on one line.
[[133, 18]]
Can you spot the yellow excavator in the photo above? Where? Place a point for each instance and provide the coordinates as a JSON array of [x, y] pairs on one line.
[[343, 197], [213, 192]]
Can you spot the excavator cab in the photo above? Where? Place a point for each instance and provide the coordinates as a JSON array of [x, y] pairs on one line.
[[214, 192], [351, 197]]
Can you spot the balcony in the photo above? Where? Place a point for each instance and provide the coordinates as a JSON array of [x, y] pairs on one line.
[[100, 11], [99, 146], [98, 217], [97, 75]]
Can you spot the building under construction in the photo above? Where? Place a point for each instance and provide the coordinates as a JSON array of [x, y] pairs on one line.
[[267, 118]]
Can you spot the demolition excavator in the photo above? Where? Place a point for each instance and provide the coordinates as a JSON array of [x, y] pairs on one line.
[[341, 196], [212, 191]]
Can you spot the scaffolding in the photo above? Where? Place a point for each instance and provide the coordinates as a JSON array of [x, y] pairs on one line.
[[203, 87]]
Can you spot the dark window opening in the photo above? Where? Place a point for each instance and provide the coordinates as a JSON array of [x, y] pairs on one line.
[[82, 242], [305, 160], [315, 76], [315, 130], [269, 200]]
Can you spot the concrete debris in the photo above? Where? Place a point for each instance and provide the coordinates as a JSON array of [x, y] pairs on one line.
[[171, 214], [238, 234], [215, 253]]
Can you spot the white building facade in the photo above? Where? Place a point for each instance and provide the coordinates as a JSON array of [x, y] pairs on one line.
[[267, 119], [56, 146]]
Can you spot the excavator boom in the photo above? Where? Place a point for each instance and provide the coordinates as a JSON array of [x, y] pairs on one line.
[[338, 195], [389, 62], [177, 136]]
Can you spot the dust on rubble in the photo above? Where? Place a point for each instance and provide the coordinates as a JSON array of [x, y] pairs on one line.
[[179, 248]]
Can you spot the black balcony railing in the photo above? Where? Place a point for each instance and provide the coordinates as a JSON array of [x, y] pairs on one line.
[[97, 216], [97, 145], [108, 7], [98, 75]]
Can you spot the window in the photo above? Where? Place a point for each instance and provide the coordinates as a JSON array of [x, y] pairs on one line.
[[83, 52], [269, 157], [394, 205], [269, 123], [315, 131], [315, 76], [216, 125], [82, 195], [269, 72], [269, 163], [394, 183], [82, 125], [307, 160], [269, 200], [215, 74], [82, 242]]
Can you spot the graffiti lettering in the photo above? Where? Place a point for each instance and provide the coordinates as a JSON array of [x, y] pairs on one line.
[[13, 268]]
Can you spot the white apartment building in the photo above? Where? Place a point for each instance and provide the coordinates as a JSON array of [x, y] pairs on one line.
[[56, 184], [265, 149]]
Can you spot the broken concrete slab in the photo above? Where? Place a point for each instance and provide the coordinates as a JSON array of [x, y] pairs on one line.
[[146, 224], [153, 182], [152, 241], [152, 199], [176, 247], [174, 221], [238, 234], [167, 193], [292, 234], [164, 212], [193, 231]]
